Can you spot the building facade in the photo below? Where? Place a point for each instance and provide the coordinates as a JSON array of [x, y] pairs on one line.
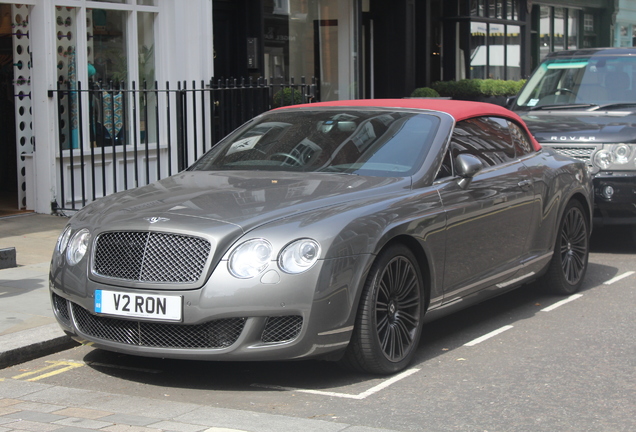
[[352, 48], [625, 27]]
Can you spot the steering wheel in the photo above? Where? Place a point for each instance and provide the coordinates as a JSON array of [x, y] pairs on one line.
[[563, 89], [287, 159]]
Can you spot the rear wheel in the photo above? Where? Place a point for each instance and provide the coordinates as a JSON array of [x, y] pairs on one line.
[[571, 251], [389, 321]]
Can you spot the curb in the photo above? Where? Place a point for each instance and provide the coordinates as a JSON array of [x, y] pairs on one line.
[[29, 344]]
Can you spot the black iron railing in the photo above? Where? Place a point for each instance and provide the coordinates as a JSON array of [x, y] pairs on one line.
[[113, 138]]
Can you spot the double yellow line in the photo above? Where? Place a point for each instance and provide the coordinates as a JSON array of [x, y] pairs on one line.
[[59, 367]]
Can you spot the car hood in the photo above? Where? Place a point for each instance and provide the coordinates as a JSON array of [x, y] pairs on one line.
[[225, 203], [581, 126]]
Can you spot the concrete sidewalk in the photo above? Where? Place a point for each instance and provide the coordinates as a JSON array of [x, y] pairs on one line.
[[28, 330], [39, 407], [27, 326]]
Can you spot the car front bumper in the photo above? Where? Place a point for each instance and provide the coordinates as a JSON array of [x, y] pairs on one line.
[[615, 199], [308, 315]]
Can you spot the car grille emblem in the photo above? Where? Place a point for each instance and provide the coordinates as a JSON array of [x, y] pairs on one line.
[[155, 219]]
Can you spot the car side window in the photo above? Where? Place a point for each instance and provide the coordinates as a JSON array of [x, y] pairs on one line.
[[520, 140], [487, 138]]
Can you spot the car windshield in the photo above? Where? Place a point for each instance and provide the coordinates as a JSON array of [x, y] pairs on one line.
[[363, 142], [581, 83]]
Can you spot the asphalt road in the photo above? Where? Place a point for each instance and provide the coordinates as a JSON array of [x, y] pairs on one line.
[[525, 361]]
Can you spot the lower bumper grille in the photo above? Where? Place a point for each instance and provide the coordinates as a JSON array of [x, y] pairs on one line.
[[60, 306], [213, 334], [282, 329]]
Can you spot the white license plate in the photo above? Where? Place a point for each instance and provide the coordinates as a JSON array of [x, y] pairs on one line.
[[139, 305]]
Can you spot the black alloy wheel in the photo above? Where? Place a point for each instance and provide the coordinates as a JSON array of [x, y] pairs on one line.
[[571, 251], [574, 245], [397, 308], [389, 321]]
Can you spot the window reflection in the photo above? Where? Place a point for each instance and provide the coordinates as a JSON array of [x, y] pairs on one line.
[[513, 47], [301, 40], [545, 32], [559, 29], [573, 24], [107, 49]]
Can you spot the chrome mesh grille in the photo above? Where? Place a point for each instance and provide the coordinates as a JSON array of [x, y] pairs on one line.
[[145, 256], [213, 334], [581, 153], [61, 308], [282, 328]]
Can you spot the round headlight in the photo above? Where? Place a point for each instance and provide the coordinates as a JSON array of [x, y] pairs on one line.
[[62, 241], [299, 256], [603, 159], [622, 154], [78, 246], [250, 259]]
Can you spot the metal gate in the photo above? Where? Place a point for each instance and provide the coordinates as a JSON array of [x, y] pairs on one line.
[[113, 138]]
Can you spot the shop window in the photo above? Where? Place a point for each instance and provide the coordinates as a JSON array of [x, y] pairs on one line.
[[478, 8], [497, 55], [512, 10], [478, 50], [107, 49], [303, 38], [588, 23], [146, 67], [559, 29], [108, 58], [513, 51], [545, 31], [501, 9], [573, 26]]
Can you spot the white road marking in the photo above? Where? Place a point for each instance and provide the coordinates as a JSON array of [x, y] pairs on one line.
[[359, 396], [562, 302], [617, 278], [488, 336]]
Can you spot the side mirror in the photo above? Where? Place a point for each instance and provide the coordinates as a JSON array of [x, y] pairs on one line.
[[467, 166], [510, 102]]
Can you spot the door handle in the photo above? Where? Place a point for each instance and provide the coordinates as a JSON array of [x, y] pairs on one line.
[[525, 184]]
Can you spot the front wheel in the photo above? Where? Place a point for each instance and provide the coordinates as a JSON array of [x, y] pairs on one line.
[[390, 315], [571, 252]]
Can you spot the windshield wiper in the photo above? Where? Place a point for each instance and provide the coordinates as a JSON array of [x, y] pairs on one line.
[[614, 105], [560, 106], [334, 169]]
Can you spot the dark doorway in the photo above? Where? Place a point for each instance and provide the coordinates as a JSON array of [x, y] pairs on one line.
[[237, 38], [393, 48]]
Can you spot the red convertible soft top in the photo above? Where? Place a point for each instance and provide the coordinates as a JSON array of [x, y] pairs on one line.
[[460, 110]]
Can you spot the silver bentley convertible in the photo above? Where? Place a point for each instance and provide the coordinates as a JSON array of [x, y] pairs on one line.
[[332, 230]]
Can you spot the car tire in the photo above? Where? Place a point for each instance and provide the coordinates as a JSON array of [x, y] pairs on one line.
[[571, 251], [390, 315]]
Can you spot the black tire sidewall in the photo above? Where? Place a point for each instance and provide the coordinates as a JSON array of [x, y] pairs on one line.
[[365, 331], [555, 278]]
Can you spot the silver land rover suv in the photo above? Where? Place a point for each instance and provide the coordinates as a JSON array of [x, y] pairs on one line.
[[582, 103]]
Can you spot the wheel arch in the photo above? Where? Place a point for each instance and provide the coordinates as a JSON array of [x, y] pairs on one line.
[[578, 196]]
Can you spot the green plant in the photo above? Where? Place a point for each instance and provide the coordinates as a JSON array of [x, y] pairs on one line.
[[474, 88], [424, 92], [284, 97]]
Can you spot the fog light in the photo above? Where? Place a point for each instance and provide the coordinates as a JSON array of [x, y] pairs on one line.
[[607, 192]]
